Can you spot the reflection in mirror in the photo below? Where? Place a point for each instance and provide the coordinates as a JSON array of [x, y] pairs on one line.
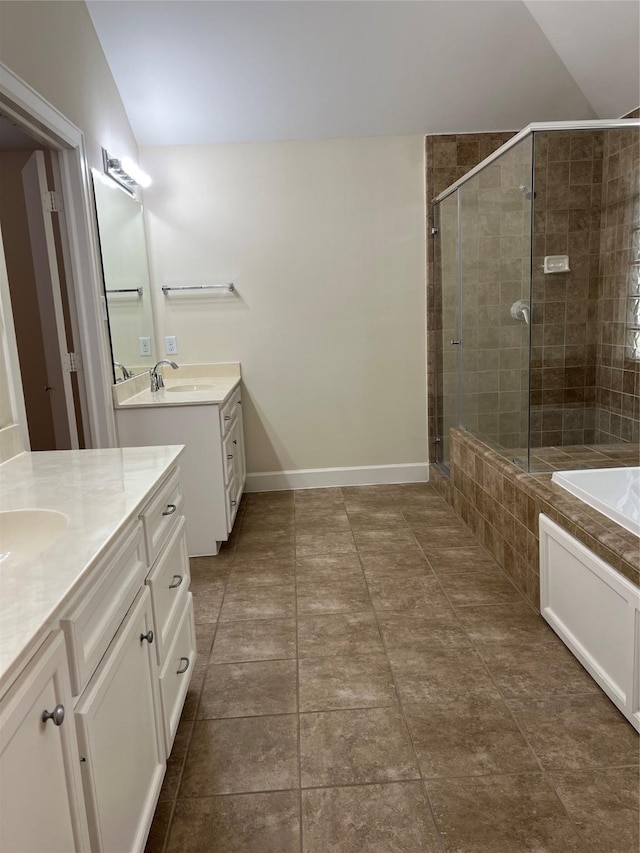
[[126, 278]]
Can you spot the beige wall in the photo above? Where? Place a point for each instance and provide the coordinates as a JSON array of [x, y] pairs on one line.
[[53, 46], [325, 241]]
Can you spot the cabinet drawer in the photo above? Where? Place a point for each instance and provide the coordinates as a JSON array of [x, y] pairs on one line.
[[231, 503], [120, 737], [90, 625], [160, 515], [169, 584], [229, 410], [229, 451], [177, 671]]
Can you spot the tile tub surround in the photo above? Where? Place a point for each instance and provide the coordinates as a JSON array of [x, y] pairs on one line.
[[501, 504], [403, 703]]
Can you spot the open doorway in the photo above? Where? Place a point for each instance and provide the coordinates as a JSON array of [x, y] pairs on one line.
[[45, 318]]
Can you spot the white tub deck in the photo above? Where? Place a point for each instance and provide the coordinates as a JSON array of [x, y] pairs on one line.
[[615, 492]]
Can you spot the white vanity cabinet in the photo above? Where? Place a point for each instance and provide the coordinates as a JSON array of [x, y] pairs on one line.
[[112, 676], [42, 807], [213, 464]]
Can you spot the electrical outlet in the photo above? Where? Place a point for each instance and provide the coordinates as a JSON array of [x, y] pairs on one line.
[[170, 345], [144, 346]]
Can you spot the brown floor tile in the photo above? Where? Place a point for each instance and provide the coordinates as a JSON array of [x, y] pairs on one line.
[[328, 568], [326, 497], [274, 550], [240, 823], [243, 754], [377, 519], [207, 600], [456, 535], [312, 518], [205, 632], [159, 828], [575, 732], [410, 562], [360, 681], [263, 639], [339, 634], [536, 670], [325, 542], [193, 693], [348, 596], [446, 560], [245, 578], [446, 676], [408, 593], [392, 818], [208, 569], [480, 588], [281, 520], [410, 633], [269, 602], [351, 747], [505, 624], [468, 738], [605, 806], [374, 542], [249, 689], [429, 514], [502, 814]]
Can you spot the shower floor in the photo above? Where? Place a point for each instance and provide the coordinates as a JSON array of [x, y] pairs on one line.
[[577, 456]]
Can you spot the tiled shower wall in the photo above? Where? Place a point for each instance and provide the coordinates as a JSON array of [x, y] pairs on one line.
[[448, 158], [618, 344]]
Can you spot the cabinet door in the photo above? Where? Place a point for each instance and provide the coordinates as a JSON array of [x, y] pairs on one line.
[[119, 732], [177, 671], [41, 807]]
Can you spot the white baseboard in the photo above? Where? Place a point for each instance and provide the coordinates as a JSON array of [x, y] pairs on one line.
[[323, 478]]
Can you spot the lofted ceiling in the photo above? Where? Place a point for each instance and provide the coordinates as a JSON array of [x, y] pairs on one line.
[[228, 71]]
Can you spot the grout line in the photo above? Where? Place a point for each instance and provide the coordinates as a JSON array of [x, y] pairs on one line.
[[299, 743]]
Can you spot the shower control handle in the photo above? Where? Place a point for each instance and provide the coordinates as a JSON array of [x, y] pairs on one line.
[[455, 343]]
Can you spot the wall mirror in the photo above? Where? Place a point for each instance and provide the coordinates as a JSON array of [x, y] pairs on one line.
[[126, 278]]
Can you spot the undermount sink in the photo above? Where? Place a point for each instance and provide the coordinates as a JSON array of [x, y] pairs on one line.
[[24, 533], [190, 387]]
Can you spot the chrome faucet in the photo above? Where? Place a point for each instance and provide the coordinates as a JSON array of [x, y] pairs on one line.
[[126, 374], [157, 382]]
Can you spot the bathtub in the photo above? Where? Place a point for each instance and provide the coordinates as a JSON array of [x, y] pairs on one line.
[[615, 492]]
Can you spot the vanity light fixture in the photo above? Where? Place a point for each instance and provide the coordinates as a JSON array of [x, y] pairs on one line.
[[125, 172]]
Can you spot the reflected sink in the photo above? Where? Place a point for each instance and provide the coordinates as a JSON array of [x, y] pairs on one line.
[[190, 387], [24, 533]]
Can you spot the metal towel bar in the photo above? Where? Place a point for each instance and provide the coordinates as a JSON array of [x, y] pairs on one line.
[[230, 287], [137, 290]]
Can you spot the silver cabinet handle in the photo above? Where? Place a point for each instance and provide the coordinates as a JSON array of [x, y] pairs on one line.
[[233, 503], [171, 508], [148, 637], [229, 455], [455, 343], [184, 667], [227, 417], [177, 580], [57, 715], [235, 441]]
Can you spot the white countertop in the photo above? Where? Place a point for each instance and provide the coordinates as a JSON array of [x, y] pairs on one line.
[[99, 491], [214, 383]]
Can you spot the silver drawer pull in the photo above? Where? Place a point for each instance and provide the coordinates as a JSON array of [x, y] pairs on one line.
[[184, 667], [227, 417], [148, 637], [57, 715], [229, 455], [171, 508], [177, 580], [235, 441], [233, 503]]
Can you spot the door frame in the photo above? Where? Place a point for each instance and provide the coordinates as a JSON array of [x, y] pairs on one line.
[[32, 113]]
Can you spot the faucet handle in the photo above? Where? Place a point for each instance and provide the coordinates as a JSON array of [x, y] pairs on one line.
[[160, 380]]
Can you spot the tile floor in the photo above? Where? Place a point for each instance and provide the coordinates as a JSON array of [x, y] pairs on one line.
[[369, 681]]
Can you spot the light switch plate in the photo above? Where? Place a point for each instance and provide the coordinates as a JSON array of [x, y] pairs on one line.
[[170, 345]]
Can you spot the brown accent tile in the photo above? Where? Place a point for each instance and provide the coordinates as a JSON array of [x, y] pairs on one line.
[[537, 670], [351, 747], [267, 602], [502, 814], [249, 689], [467, 738], [348, 634], [392, 817], [576, 732], [263, 639], [330, 683], [245, 754], [604, 806], [345, 596], [251, 823]]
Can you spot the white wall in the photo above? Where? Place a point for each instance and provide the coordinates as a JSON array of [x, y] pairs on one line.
[[53, 46], [325, 241]]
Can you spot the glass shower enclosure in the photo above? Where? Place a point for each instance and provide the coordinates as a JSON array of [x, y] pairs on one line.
[[537, 265]]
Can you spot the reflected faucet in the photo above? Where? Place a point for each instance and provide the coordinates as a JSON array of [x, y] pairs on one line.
[[157, 382], [126, 374]]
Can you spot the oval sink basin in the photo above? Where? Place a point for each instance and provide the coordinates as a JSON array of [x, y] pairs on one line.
[[24, 533], [190, 387]]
